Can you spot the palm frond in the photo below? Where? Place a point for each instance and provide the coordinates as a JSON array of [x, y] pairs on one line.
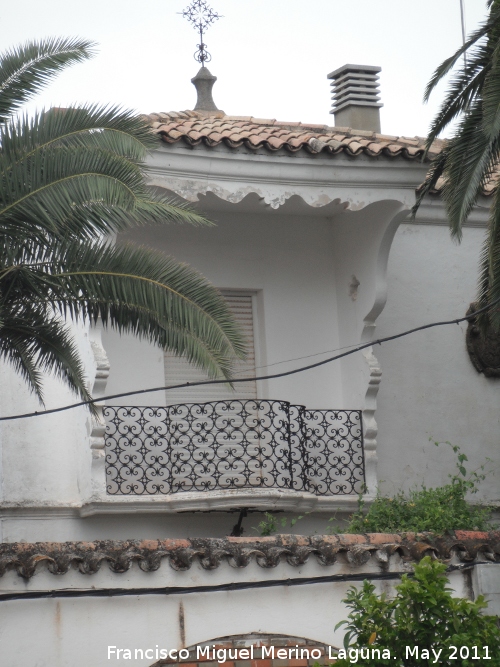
[[469, 157], [434, 173], [462, 91], [135, 290], [68, 177], [28, 68], [105, 127], [64, 190], [467, 83], [35, 343], [491, 96], [489, 278], [447, 65]]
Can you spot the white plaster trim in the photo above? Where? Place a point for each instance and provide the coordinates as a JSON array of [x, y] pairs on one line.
[[204, 501], [432, 212], [268, 500], [375, 372], [320, 180], [40, 512], [97, 435]]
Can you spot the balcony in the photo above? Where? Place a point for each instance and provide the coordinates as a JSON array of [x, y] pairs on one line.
[[231, 445]]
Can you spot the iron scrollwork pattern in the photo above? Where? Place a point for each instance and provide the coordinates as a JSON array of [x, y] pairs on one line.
[[334, 452], [201, 16], [233, 445]]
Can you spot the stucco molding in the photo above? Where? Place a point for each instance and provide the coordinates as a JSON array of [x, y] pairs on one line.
[[98, 390], [268, 552], [395, 214], [433, 212], [201, 501], [98, 430], [233, 174], [221, 500]]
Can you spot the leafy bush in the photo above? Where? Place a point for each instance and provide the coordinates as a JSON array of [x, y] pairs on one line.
[[423, 614], [439, 510], [271, 523]]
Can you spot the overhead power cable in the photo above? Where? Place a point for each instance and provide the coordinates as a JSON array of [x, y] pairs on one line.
[[305, 356], [273, 376], [232, 586]]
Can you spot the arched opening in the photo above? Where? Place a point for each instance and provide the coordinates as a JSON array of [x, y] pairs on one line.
[[268, 648]]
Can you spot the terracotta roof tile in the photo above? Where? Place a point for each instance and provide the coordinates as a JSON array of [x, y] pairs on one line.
[[374, 148], [255, 139], [406, 140], [269, 134], [385, 137], [263, 121], [355, 146], [88, 557], [214, 135], [365, 133], [175, 134], [394, 148], [276, 142]]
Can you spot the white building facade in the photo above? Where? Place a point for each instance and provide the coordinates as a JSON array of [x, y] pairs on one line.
[[314, 249]]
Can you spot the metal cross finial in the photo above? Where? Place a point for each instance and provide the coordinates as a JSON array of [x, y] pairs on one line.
[[201, 16]]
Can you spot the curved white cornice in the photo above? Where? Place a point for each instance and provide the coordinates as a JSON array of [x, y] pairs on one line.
[[433, 212], [233, 174]]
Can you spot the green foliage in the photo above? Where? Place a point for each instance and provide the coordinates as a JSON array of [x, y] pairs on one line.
[[423, 614], [28, 68], [271, 524], [438, 510], [471, 155], [68, 178]]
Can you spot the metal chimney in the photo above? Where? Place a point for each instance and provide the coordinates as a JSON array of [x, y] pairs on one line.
[[355, 97]]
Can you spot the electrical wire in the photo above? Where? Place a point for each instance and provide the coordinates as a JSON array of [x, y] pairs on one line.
[[287, 361], [273, 376], [233, 586]]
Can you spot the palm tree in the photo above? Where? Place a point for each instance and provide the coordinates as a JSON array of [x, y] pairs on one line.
[[469, 160], [69, 179]]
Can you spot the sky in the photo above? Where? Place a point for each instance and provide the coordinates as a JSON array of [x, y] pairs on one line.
[[271, 57]]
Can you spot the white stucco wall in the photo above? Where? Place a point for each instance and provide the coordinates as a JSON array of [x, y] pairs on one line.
[[429, 388], [320, 275], [288, 261], [77, 632], [44, 460]]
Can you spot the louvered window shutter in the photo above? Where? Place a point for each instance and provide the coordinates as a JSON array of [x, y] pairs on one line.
[[178, 370]]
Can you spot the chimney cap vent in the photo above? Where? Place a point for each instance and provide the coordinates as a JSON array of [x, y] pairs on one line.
[[356, 96], [356, 85], [356, 69]]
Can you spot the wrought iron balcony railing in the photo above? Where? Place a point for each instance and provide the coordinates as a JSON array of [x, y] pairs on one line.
[[233, 445]]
